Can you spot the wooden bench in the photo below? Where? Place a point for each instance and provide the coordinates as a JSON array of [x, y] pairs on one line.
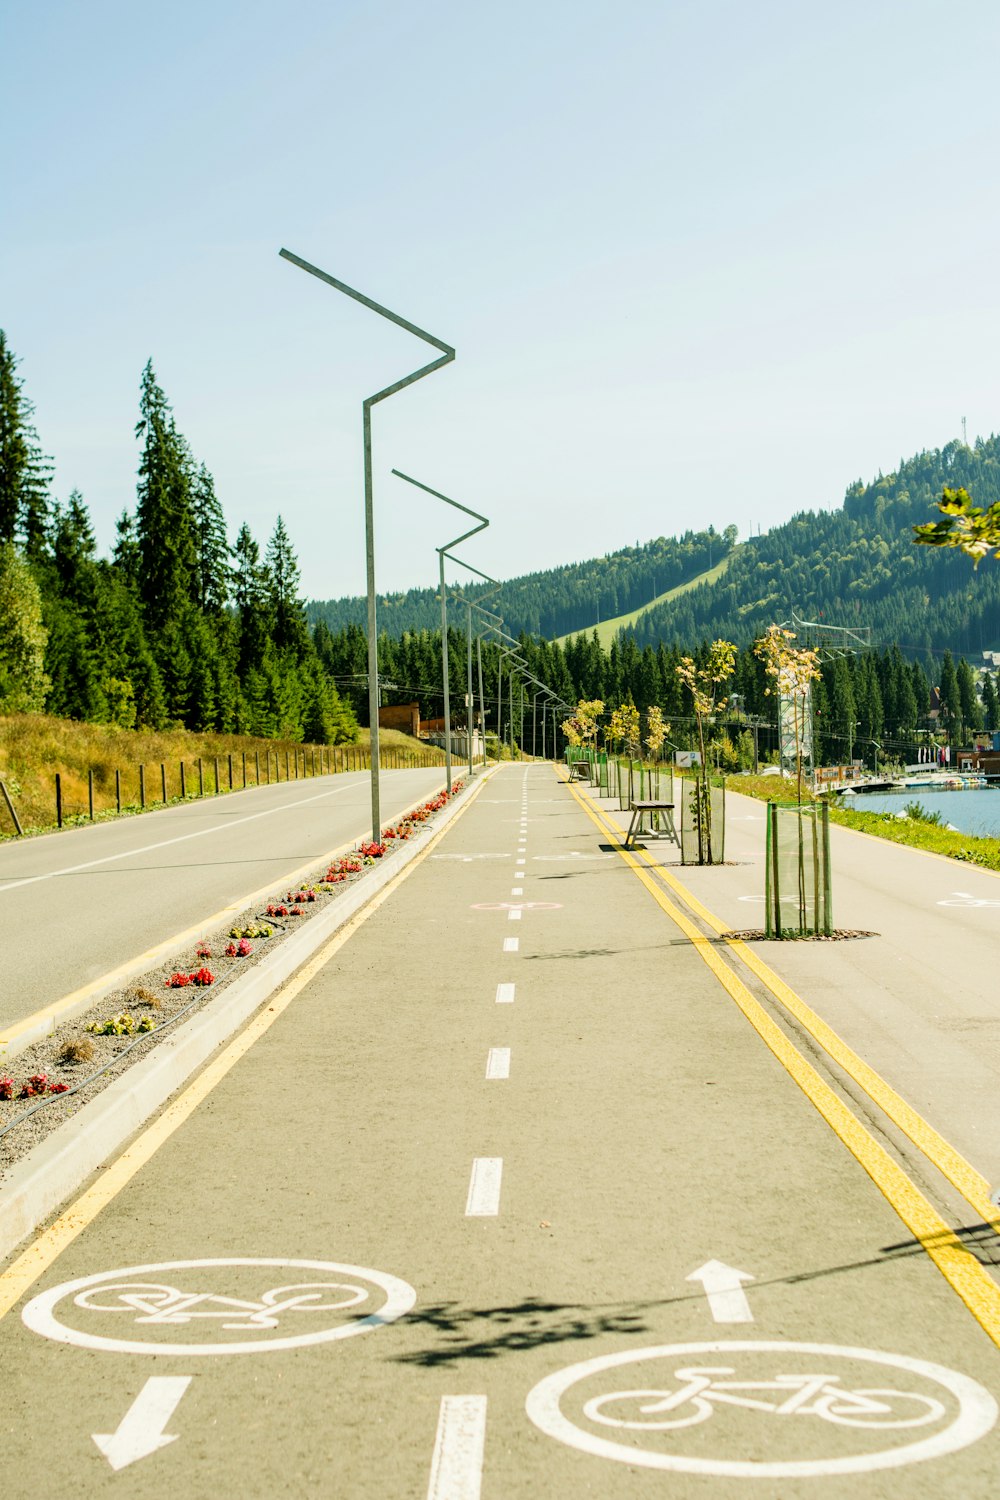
[[653, 809]]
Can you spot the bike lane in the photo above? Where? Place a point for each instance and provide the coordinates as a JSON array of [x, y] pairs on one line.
[[515, 1113]]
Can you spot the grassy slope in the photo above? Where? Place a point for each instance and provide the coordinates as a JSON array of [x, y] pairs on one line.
[[33, 747], [959, 846], [608, 629]]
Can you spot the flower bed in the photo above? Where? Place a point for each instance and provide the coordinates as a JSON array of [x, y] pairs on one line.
[[70, 1064]]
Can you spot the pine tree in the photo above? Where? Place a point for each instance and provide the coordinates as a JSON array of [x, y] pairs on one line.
[[211, 544], [251, 597], [289, 630], [951, 703], [990, 702], [25, 472], [167, 572]]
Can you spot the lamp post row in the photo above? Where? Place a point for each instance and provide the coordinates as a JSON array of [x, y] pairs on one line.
[[445, 357]]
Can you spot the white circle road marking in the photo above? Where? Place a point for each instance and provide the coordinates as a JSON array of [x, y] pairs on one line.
[[159, 1304], [977, 1410], [516, 906]]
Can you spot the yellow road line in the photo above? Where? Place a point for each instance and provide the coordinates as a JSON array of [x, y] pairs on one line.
[[49, 1245], [77, 1000], [962, 1175], [961, 1270]]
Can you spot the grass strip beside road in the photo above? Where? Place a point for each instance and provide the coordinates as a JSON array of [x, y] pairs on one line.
[[957, 1265], [25, 1270]]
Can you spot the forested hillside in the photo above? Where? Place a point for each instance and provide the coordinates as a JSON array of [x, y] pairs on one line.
[[855, 566], [859, 566], [176, 628], [558, 601]]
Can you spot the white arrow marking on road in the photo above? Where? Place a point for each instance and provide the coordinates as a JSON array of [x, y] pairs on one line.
[[726, 1297], [140, 1431]]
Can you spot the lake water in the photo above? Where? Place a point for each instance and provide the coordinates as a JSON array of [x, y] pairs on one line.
[[969, 811]]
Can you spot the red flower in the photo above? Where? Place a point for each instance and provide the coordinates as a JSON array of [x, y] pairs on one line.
[[6, 1088], [202, 977], [231, 951], [59, 1088], [177, 981]]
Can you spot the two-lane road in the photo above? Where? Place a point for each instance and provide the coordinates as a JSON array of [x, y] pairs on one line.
[[76, 906]]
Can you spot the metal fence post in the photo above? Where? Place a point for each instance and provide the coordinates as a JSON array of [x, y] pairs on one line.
[[215, 762], [163, 782], [58, 800], [118, 791], [201, 778], [142, 786], [183, 784], [90, 792]]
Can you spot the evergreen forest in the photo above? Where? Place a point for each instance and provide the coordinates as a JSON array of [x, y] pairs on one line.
[[180, 627], [177, 627]]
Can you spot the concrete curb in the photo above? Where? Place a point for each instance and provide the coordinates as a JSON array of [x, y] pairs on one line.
[[57, 1166]]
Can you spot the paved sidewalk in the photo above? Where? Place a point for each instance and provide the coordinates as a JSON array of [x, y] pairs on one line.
[[920, 1002], [516, 1117]]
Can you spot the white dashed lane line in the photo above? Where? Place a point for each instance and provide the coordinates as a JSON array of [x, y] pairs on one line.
[[457, 1465], [498, 1062], [483, 1201], [511, 945], [505, 994]]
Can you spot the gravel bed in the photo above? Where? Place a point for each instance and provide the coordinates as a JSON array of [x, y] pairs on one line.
[[149, 998]]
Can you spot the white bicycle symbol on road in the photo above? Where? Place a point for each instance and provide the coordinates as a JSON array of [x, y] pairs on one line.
[[155, 1303], [143, 1309], [726, 1408], [963, 898], [820, 1395]]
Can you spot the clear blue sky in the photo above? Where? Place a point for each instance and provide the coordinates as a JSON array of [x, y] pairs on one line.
[[701, 261]]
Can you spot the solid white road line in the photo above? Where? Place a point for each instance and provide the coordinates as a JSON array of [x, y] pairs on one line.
[[505, 994], [483, 1201], [457, 1465], [498, 1063], [511, 945], [91, 864]]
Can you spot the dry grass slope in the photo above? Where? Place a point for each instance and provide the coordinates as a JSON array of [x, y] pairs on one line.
[[34, 747]]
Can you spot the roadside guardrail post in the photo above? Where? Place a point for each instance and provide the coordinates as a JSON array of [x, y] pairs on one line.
[[183, 784], [215, 762], [256, 764], [118, 791], [142, 786], [201, 778], [90, 792], [163, 781], [58, 800]]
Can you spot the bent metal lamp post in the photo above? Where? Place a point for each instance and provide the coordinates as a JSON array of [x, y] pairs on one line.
[[469, 608], [442, 552], [497, 620], [445, 358]]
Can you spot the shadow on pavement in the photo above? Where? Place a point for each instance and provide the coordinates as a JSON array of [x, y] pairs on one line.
[[462, 1333]]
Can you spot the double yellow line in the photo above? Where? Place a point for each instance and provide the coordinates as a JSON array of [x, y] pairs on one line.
[[961, 1270]]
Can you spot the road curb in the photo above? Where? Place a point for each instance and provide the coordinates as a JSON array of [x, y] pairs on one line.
[[57, 1166]]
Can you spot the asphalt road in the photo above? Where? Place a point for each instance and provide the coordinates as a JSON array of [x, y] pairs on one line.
[[74, 906], [514, 1140], [921, 1002]]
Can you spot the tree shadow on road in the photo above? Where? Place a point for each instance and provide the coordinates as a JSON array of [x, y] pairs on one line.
[[462, 1333]]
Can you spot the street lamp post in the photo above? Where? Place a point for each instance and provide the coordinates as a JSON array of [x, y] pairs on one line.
[[442, 552], [470, 606], [446, 356]]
